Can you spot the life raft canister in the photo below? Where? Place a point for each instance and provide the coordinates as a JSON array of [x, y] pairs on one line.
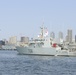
[[54, 45]]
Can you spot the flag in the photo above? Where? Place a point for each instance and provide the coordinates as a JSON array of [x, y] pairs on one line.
[[46, 32]]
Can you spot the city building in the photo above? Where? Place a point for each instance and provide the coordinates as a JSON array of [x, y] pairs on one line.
[[25, 40], [66, 38], [52, 35], [60, 35], [69, 34], [6, 42], [13, 40]]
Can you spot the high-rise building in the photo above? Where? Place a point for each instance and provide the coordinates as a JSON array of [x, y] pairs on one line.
[[13, 40], [69, 33], [60, 35], [52, 35], [66, 38], [25, 39]]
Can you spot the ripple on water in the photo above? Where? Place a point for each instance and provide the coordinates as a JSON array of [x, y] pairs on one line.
[[13, 64]]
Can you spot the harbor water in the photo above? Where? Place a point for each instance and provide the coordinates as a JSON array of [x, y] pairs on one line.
[[11, 63]]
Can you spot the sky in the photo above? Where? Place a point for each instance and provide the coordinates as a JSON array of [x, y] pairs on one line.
[[25, 17]]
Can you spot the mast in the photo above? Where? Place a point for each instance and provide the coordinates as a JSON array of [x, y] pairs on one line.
[[42, 30]]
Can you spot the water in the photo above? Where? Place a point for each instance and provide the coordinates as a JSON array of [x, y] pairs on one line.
[[13, 64]]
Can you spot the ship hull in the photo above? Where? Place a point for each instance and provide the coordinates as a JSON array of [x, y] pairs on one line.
[[44, 51]]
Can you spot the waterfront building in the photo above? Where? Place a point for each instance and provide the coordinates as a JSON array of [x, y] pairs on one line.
[[69, 34], [66, 38], [60, 35], [25, 39], [6, 42], [2, 42], [52, 35], [13, 40]]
